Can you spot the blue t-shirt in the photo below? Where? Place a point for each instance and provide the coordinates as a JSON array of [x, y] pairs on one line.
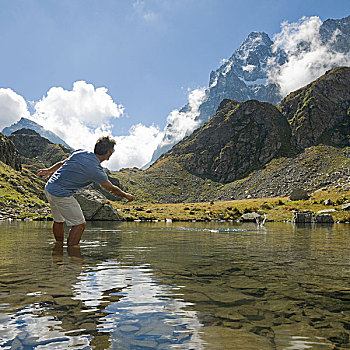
[[81, 169]]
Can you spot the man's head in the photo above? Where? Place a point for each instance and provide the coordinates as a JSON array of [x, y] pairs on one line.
[[104, 147]]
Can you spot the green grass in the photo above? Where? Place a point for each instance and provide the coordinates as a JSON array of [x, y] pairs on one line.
[[277, 209]]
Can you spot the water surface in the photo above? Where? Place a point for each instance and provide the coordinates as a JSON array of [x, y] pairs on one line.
[[175, 286]]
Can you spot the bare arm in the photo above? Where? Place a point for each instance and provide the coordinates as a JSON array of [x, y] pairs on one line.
[[48, 171], [108, 186]]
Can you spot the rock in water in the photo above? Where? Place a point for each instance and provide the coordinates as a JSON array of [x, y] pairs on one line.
[[95, 206], [307, 216], [250, 217]]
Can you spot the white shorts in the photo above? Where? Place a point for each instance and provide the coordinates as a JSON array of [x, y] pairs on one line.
[[65, 209]]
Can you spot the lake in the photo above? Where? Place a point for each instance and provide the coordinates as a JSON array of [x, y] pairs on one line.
[[176, 286]]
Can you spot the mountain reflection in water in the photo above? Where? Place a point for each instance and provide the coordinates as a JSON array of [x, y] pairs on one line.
[[175, 286]]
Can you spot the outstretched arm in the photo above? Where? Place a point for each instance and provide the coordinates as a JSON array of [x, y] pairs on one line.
[[108, 186], [48, 171]]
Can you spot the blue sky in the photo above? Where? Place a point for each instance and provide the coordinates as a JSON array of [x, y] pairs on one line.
[[147, 53]]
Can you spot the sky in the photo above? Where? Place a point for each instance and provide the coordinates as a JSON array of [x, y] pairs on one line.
[[83, 68]]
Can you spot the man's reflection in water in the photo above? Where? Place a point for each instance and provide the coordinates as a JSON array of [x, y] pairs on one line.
[[57, 253], [74, 253]]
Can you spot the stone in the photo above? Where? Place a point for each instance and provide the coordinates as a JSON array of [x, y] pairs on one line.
[[328, 202], [345, 206], [95, 206], [325, 211], [323, 219], [250, 217], [298, 194]]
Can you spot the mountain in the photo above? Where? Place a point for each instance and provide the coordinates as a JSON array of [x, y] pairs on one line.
[[240, 78], [36, 150], [244, 75], [257, 149], [25, 123], [239, 138], [340, 28]]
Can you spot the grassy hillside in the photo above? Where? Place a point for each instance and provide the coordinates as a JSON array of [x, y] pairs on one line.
[[276, 209], [21, 194]]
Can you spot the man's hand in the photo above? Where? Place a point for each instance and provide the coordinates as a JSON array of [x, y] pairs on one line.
[[48, 171], [108, 186], [45, 172], [129, 197]]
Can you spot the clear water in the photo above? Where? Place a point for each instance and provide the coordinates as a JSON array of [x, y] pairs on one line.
[[176, 286]]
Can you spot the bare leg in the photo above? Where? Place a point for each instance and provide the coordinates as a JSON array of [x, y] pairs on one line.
[[58, 231], [75, 234]]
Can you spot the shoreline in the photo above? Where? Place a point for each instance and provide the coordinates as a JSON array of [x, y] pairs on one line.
[[277, 209]]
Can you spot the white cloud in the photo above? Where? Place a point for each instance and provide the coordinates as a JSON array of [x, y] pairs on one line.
[[12, 107], [308, 57], [180, 124], [79, 116], [141, 9], [135, 149]]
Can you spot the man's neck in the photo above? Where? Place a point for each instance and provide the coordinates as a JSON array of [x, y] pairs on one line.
[[100, 158]]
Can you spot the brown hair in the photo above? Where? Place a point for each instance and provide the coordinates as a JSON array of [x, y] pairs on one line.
[[103, 145]]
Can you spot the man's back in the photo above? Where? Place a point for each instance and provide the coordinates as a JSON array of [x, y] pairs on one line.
[[79, 170]]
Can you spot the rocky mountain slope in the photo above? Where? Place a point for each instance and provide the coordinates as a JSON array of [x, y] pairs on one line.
[[244, 75], [25, 123], [320, 112], [241, 137], [256, 149], [21, 192], [36, 150], [9, 154]]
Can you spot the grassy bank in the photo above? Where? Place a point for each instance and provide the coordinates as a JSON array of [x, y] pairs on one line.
[[276, 209]]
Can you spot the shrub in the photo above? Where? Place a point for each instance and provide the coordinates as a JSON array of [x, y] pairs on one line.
[[341, 200]]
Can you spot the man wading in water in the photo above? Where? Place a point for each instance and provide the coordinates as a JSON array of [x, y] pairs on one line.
[[80, 169]]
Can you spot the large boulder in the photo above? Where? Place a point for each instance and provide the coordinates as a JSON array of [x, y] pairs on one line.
[[95, 206]]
